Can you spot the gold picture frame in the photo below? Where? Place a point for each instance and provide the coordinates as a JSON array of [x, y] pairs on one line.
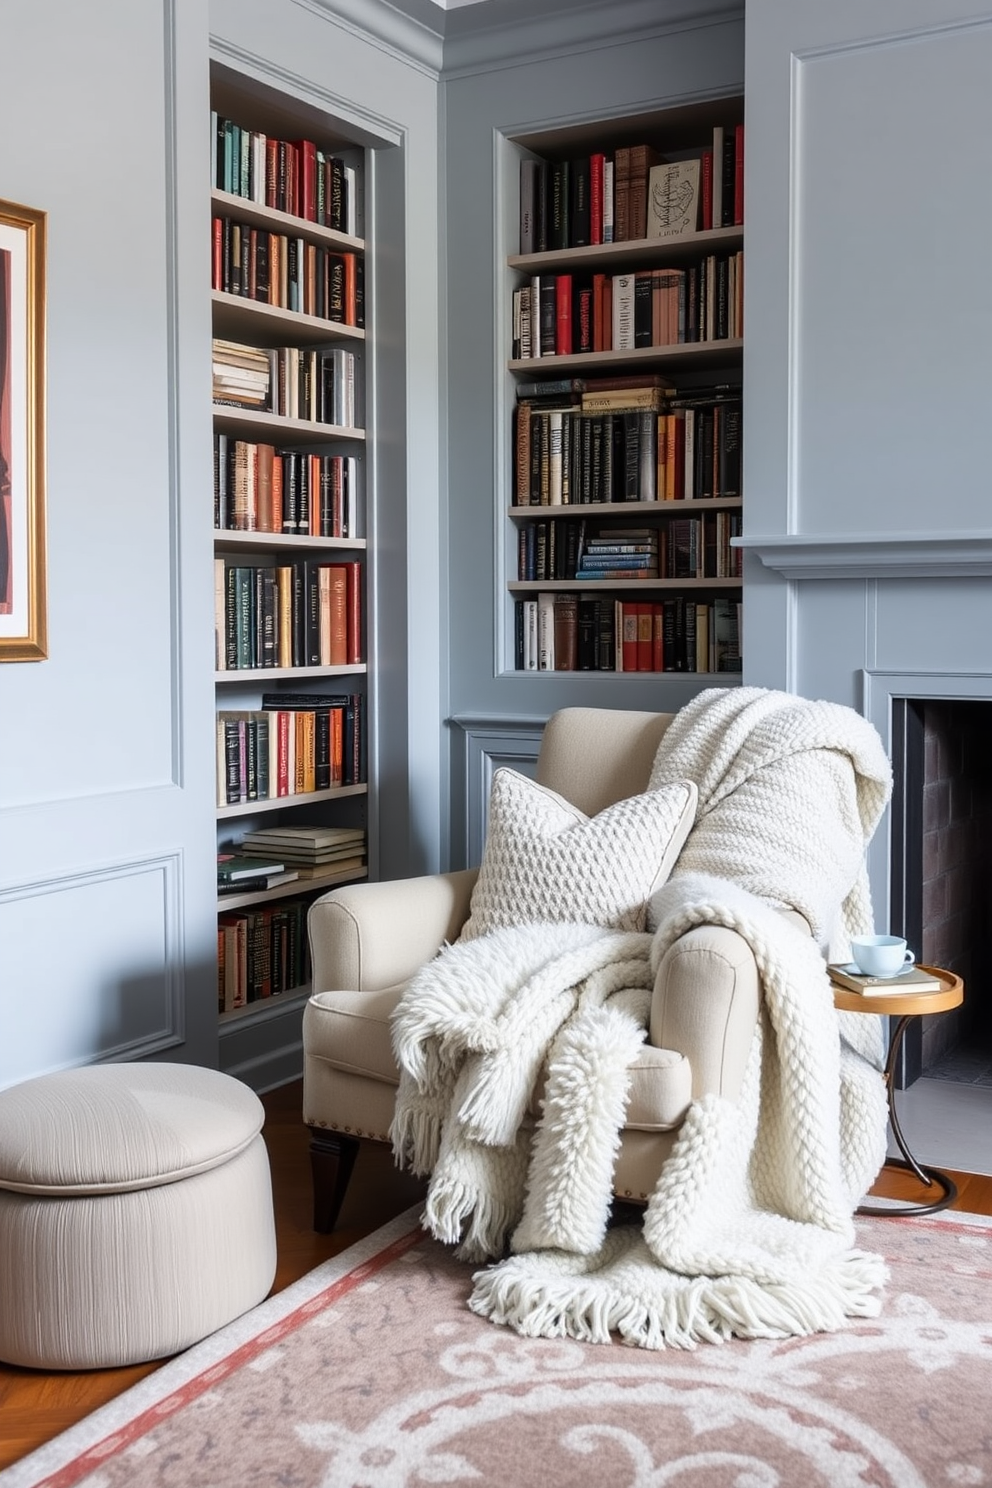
[[23, 611]]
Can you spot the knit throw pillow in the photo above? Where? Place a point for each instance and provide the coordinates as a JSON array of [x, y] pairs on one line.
[[545, 860]]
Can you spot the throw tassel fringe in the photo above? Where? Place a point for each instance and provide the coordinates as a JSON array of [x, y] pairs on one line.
[[651, 1308], [452, 1205]]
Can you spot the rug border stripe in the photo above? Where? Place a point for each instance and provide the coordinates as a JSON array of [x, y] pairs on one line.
[[117, 1425]]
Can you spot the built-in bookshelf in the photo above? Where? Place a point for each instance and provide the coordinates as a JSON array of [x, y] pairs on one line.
[[624, 336], [291, 560]]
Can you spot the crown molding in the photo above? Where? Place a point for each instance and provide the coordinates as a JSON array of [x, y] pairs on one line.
[[916, 555], [412, 32], [502, 33]]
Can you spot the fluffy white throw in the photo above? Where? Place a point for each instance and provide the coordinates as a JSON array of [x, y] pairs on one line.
[[749, 1231]]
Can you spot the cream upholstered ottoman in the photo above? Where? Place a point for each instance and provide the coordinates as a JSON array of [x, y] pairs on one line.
[[135, 1213]]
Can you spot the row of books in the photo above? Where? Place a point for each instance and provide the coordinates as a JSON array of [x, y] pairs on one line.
[[293, 745], [294, 176], [290, 381], [275, 269], [672, 449], [631, 192], [569, 632], [562, 314], [261, 953], [259, 488], [300, 614], [696, 547]]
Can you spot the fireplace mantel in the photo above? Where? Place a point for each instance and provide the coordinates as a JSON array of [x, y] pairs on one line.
[[917, 555]]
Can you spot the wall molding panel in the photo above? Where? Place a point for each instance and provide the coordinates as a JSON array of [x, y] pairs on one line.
[[93, 966], [486, 744]]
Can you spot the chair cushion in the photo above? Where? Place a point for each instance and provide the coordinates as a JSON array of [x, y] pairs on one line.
[[545, 860], [113, 1128]]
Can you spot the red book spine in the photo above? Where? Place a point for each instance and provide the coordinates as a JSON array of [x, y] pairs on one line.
[[354, 569], [739, 176], [563, 315], [657, 632], [271, 172], [706, 191], [218, 257], [306, 198], [598, 322], [596, 163]]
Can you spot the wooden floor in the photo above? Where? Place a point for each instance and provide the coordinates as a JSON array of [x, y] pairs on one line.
[[34, 1407]]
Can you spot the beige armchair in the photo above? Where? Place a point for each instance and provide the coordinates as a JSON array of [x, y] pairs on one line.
[[368, 939]]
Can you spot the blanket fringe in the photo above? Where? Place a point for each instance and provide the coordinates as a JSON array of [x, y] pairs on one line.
[[451, 1205], [655, 1309]]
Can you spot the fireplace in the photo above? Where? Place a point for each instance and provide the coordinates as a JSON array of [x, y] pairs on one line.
[[941, 869]]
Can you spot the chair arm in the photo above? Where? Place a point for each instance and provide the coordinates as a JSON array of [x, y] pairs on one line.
[[706, 999], [367, 936]]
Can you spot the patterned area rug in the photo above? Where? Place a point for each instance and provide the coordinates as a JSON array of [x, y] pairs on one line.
[[372, 1373]]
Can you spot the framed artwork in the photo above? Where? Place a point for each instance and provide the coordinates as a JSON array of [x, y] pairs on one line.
[[23, 628]]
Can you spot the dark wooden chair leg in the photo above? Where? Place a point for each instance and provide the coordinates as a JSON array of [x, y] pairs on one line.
[[332, 1158]]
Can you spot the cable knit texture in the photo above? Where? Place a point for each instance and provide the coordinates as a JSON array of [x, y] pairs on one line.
[[749, 1231], [546, 860]]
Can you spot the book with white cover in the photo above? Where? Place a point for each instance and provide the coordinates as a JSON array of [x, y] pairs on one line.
[[673, 199]]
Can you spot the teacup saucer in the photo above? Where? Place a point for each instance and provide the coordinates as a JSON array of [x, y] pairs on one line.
[[853, 969]]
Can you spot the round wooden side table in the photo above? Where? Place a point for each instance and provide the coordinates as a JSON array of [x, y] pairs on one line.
[[904, 1007]]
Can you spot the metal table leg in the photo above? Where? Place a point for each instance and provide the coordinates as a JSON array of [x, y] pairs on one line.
[[929, 1177]]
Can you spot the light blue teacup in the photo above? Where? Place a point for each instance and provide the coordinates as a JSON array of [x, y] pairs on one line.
[[881, 955]]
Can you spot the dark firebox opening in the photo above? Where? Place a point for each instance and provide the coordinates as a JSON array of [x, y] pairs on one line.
[[942, 872]]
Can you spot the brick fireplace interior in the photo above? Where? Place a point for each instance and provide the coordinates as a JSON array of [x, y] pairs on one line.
[[942, 873]]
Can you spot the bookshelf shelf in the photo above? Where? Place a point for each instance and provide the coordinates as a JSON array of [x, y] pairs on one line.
[[610, 586], [280, 803], [233, 542], [617, 256], [267, 1007], [239, 319], [250, 423], [288, 674], [225, 203], [624, 509], [700, 355], [286, 594], [293, 889]]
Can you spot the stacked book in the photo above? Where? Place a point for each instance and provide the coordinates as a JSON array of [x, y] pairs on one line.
[[238, 873], [620, 553], [242, 375], [313, 851]]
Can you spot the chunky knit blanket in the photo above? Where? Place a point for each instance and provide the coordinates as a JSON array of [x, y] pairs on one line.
[[749, 1230]]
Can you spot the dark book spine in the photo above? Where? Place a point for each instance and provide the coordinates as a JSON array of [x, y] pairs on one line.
[[631, 436], [548, 314], [559, 191], [586, 642], [322, 748], [729, 168], [643, 307], [580, 217], [542, 208]]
